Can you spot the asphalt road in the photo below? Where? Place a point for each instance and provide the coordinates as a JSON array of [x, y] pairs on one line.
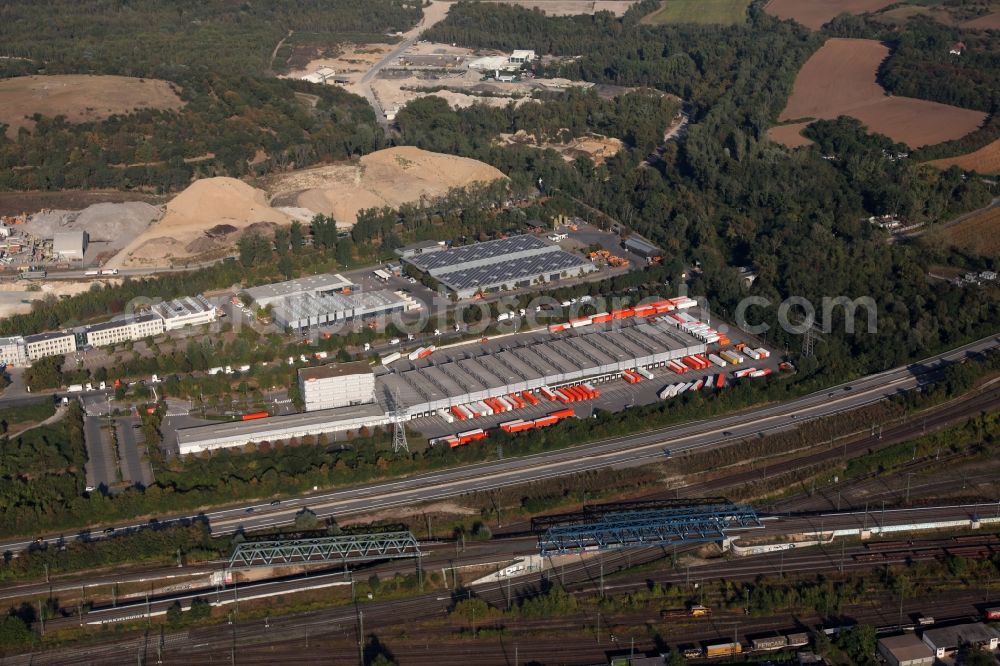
[[627, 451]]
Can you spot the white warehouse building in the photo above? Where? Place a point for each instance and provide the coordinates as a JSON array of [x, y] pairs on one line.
[[337, 385], [186, 311]]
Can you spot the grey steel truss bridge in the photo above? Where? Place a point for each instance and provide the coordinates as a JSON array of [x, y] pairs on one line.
[[644, 527], [325, 550]]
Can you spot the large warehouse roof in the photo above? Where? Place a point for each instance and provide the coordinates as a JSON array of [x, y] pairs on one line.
[[267, 293], [500, 262]]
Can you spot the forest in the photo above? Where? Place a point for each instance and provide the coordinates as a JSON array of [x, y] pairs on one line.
[[237, 120]]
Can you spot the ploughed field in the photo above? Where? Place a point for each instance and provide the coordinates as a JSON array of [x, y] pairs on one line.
[[815, 13], [986, 160], [840, 80]]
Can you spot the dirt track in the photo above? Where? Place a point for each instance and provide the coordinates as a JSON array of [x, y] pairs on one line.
[[840, 79]]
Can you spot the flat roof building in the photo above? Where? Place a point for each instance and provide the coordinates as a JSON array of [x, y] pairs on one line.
[[947, 640], [307, 310], [421, 247], [905, 650], [459, 376], [55, 343], [70, 245], [520, 57], [185, 311], [278, 428], [13, 351], [511, 263], [121, 330], [642, 247], [324, 283], [337, 385]]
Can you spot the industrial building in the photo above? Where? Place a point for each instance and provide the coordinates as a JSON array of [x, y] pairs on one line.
[[337, 385], [185, 311], [511, 263], [49, 344], [313, 285], [944, 641], [13, 351], [70, 245], [905, 650], [308, 310], [457, 376], [279, 428], [643, 248], [117, 331], [421, 247]]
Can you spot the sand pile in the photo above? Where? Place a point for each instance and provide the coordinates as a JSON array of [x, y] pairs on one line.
[[206, 205], [388, 177]]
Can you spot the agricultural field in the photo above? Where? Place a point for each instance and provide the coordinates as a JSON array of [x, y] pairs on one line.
[[840, 80], [979, 234], [789, 135], [815, 13], [718, 12], [987, 22], [986, 160], [80, 98]]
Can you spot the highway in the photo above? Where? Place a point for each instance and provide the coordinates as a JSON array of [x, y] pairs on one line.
[[626, 451]]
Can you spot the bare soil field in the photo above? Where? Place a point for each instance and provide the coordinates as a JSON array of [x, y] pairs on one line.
[[980, 234], [79, 97], [573, 7], [388, 177], [815, 13], [597, 148], [111, 224], [839, 79], [789, 135], [204, 220], [986, 160], [16, 203], [988, 22]]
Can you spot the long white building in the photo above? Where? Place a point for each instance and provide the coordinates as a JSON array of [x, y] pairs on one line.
[[122, 330], [49, 344]]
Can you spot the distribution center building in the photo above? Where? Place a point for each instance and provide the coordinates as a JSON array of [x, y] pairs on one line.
[[337, 385], [456, 376], [308, 310], [511, 263], [313, 285]]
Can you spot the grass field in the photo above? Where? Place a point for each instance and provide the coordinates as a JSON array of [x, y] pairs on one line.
[[724, 12]]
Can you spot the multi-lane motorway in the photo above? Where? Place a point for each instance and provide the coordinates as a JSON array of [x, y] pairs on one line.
[[618, 452]]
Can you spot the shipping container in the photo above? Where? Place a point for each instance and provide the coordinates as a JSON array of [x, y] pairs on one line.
[[722, 649], [469, 414], [543, 421], [426, 352], [507, 425], [563, 413], [763, 352], [601, 318], [485, 409], [992, 613], [677, 367], [391, 358], [458, 412], [253, 416], [517, 400], [769, 643], [579, 322], [547, 392], [557, 328], [732, 357], [744, 372], [446, 415], [530, 397]]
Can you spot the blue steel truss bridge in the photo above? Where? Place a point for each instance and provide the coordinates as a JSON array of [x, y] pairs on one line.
[[668, 525], [325, 550]]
